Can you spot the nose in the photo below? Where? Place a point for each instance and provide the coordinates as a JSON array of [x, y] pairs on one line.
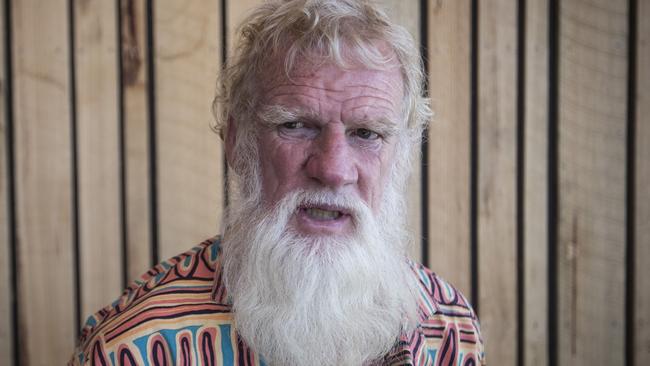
[[331, 162]]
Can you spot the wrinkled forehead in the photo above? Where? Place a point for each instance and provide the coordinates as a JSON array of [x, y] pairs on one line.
[[363, 93], [387, 79], [376, 55]]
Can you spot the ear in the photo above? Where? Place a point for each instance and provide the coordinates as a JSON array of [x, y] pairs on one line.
[[230, 141]]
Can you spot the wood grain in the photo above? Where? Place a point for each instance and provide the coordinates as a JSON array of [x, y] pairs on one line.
[[100, 239], [592, 164], [592, 146], [449, 145], [190, 169], [136, 137], [6, 331], [642, 201], [43, 181], [536, 186], [406, 14], [497, 127]]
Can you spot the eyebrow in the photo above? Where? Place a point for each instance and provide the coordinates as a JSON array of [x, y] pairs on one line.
[[275, 115]]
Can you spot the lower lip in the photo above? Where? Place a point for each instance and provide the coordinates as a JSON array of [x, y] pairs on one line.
[[310, 225]]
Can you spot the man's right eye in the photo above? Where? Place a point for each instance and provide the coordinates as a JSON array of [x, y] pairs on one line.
[[297, 130], [293, 125]]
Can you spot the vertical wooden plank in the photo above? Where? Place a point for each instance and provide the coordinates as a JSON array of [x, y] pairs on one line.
[[592, 152], [449, 132], [6, 336], [136, 136], [406, 14], [496, 178], [43, 181], [190, 176], [642, 217], [97, 149], [536, 185]]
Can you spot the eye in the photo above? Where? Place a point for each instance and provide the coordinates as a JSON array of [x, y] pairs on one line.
[[293, 125], [297, 130], [366, 134]]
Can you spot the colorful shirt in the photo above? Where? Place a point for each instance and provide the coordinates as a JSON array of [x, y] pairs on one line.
[[178, 313]]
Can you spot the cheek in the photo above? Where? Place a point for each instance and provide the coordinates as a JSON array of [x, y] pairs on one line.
[[281, 167], [373, 174], [379, 174]]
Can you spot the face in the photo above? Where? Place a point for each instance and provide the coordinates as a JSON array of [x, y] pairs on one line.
[[333, 129]]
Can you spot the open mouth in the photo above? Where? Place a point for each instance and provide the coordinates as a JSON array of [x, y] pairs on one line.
[[321, 213], [323, 219]]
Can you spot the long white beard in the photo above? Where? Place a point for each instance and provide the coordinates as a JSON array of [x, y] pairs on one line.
[[319, 300]]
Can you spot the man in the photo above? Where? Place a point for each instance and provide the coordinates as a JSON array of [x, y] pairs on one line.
[[321, 109]]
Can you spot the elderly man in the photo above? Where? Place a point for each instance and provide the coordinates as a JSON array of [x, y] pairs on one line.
[[321, 110]]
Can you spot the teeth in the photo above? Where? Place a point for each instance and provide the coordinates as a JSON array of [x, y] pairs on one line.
[[319, 214]]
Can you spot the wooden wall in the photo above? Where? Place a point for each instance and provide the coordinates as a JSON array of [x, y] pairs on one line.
[[532, 193]]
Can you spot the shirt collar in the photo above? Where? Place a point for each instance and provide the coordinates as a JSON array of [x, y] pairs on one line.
[[219, 292]]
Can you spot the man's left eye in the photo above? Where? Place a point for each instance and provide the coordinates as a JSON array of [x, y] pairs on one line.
[[366, 134]]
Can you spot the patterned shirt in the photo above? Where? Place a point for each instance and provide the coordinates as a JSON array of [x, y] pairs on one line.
[[178, 313]]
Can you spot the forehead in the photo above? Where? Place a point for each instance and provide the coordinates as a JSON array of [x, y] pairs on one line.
[[357, 90]]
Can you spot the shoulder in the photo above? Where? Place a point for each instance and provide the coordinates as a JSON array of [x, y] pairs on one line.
[[449, 329], [438, 295], [182, 286]]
